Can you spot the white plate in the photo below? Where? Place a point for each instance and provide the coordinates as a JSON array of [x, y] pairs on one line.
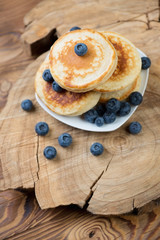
[[78, 122]]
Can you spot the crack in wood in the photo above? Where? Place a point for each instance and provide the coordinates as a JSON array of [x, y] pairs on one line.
[[37, 157], [91, 191], [133, 204], [148, 22], [133, 19], [94, 183], [135, 210]]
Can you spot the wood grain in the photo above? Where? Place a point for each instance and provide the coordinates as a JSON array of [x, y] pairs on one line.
[[22, 218], [19, 212], [51, 16], [13, 59], [116, 182]]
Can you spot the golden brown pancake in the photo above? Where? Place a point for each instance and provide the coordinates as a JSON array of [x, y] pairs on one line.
[[123, 93], [128, 67], [82, 73], [64, 103]]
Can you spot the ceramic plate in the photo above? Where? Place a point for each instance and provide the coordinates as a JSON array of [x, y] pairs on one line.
[[78, 122]]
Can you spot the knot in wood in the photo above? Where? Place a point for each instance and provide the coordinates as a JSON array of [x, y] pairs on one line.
[[119, 144]]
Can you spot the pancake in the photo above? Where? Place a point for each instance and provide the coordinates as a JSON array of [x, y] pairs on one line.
[[123, 93], [64, 103], [82, 73], [128, 67]]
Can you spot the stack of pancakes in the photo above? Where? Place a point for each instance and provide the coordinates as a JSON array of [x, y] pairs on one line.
[[110, 68]]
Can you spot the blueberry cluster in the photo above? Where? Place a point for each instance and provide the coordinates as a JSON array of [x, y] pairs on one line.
[[107, 113], [48, 78]]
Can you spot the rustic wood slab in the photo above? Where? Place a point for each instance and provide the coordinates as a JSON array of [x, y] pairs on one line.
[[124, 177], [53, 18], [20, 215]]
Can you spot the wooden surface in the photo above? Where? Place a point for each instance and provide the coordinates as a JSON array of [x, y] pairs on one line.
[[125, 176], [22, 219], [50, 18], [20, 216]]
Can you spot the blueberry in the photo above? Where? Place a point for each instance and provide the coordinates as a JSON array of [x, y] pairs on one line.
[[47, 76], [99, 121], [135, 127], [41, 128], [109, 117], [74, 28], [97, 149], [91, 115], [27, 105], [135, 98], [65, 140], [100, 108], [113, 105], [80, 49], [56, 87], [146, 63], [50, 152], [124, 110]]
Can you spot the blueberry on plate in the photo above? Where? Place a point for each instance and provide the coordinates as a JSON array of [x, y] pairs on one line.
[[50, 152], [96, 149], [99, 121], [135, 127], [47, 76], [124, 110], [91, 115], [80, 49], [135, 98], [109, 117], [100, 108], [65, 140], [56, 87], [27, 105], [113, 105], [74, 28], [146, 63], [41, 128]]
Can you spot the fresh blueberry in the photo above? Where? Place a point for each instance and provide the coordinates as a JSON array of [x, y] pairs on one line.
[[27, 105], [80, 49], [97, 149], [124, 110], [113, 105], [74, 28], [109, 117], [135, 127], [47, 76], [91, 116], [56, 87], [99, 121], [100, 108], [146, 63], [135, 98], [41, 128], [65, 140], [50, 152]]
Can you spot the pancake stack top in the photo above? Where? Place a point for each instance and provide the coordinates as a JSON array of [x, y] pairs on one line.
[[110, 68]]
